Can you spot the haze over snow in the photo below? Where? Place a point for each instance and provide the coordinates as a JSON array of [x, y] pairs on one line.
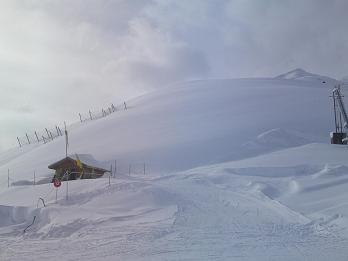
[[60, 58]]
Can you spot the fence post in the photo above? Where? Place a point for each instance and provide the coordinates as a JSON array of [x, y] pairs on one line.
[[37, 137], [125, 105], [48, 135], [67, 185], [57, 131], [115, 169], [27, 138], [51, 135], [144, 169], [20, 145], [110, 175], [80, 117], [34, 178], [8, 178], [90, 115]]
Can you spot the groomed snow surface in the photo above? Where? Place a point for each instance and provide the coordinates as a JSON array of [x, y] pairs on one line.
[[235, 170]]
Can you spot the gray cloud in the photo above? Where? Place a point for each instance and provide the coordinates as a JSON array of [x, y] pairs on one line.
[[59, 58]]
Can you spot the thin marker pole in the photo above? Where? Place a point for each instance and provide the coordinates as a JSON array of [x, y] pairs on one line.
[[48, 135], [334, 104], [37, 137], [20, 145], [66, 140], [110, 175], [115, 169], [27, 138], [67, 185], [51, 135]]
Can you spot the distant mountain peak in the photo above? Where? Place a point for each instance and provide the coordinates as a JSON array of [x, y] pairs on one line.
[[301, 74], [296, 74]]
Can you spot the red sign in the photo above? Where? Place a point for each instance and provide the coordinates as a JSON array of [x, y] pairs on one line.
[[57, 183]]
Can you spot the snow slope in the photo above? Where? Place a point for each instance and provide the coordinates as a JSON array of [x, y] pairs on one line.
[[191, 124], [236, 170]]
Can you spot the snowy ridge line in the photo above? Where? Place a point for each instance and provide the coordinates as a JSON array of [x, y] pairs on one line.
[[49, 134], [94, 115]]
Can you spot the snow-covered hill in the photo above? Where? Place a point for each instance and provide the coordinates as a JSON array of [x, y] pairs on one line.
[[191, 124], [237, 169]]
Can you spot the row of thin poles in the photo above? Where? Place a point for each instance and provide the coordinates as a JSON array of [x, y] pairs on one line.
[[50, 136], [104, 112]]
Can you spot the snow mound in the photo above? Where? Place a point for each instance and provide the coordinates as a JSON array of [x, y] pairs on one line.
[[267, 189], [90, 204], [330, 171], [275, 139], [282, 138], [10, 215], [275, 172]]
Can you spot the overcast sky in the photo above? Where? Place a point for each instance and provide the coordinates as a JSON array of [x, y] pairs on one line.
[[59, 58]]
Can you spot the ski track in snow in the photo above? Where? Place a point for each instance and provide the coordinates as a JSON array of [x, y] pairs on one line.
[[210, 222]]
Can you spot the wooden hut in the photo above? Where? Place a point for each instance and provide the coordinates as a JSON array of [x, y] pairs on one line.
[[78, 166]]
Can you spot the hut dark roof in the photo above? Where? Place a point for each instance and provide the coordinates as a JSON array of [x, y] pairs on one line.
[[86, 159]]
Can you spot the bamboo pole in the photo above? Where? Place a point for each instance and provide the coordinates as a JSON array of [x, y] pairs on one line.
[[48, 135], [27, 138], [37, 137], [51, 135]]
